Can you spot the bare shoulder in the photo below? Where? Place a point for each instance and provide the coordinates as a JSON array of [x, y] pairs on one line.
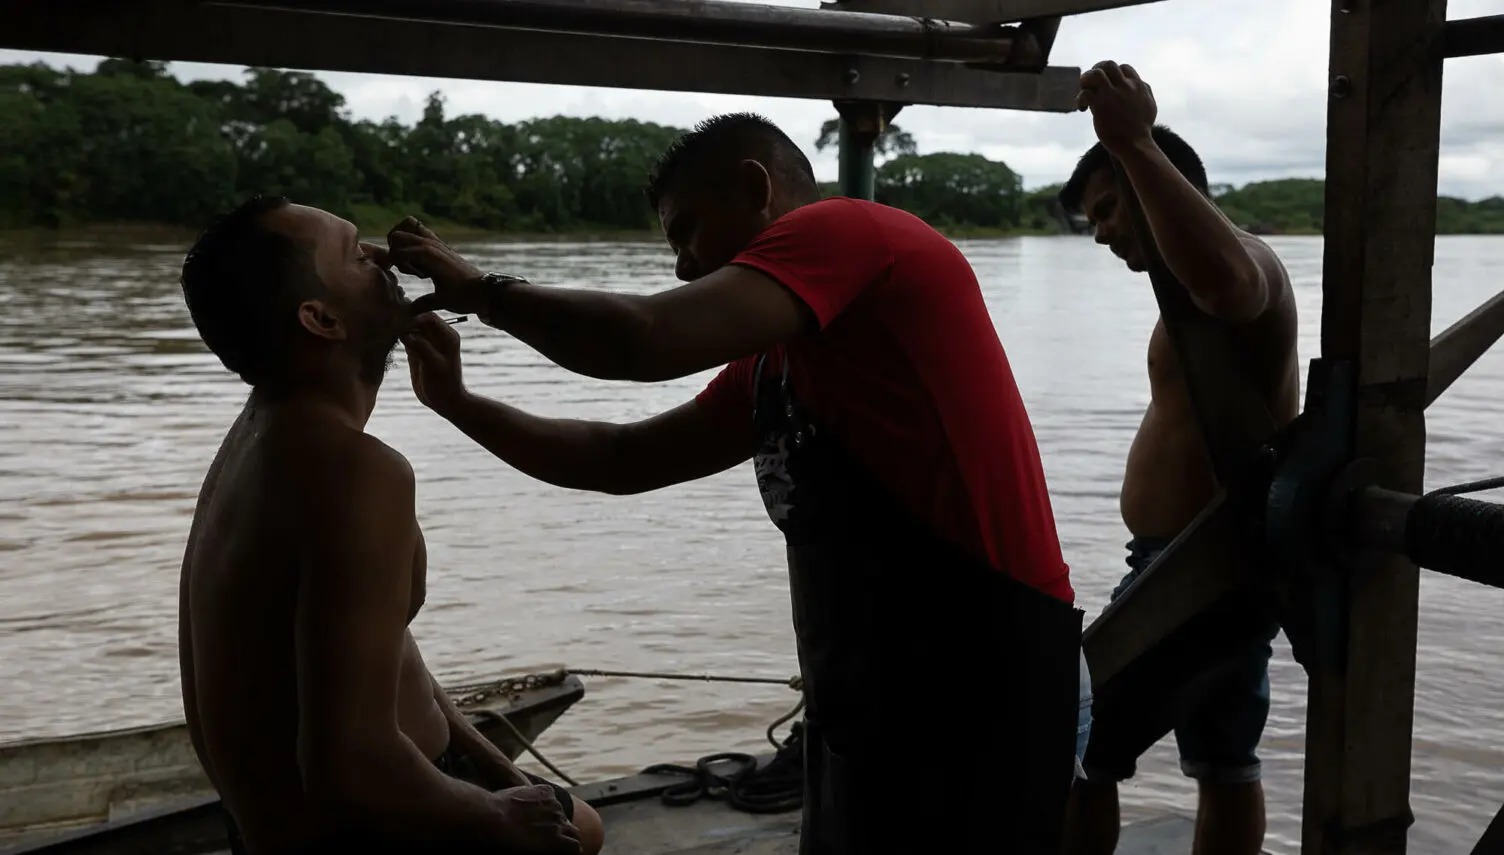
[[1280, 311], [1275, 274], [351, 482]]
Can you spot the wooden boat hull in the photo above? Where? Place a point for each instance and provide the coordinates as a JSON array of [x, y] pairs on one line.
[[143, 789]]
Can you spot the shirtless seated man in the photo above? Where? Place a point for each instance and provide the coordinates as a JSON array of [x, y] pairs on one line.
[[308, 702]]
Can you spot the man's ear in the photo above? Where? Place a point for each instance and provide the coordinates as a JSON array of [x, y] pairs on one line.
[[317, 318], [755, 184]]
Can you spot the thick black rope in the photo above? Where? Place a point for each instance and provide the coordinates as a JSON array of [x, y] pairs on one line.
[[1457, 535], [1464, 537], [777, 787]]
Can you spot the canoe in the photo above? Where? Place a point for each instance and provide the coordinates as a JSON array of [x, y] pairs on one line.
[[638, 817], [143, 790]]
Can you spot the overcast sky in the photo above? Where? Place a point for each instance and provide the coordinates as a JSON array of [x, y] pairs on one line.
[[1242, 80]]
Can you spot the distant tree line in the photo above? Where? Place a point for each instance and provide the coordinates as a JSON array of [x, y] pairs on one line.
[[129, 143]]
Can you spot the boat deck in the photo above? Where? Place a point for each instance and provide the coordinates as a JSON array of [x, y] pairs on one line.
[[711, 828], [647, 827], [638, 823]]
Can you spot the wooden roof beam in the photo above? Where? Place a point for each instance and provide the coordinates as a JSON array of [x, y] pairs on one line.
[[186, 31]]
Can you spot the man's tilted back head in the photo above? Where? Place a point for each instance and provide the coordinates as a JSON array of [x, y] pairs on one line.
[[1093, 190], [722, 183], [271, 282], [242, 280]]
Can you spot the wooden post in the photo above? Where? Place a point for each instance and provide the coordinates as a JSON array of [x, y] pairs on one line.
[[1384, 119]]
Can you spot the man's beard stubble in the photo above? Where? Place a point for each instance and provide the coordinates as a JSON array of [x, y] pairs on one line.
[[377, 354]]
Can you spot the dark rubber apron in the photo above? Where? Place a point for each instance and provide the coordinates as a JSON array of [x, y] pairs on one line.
[[941, 695]]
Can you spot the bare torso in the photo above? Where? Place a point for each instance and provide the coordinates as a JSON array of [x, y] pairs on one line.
[[1169, 477], [238, 597]]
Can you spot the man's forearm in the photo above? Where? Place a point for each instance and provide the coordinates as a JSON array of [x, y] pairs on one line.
[[465, 739], [569, 453], [594, 333], [1200, 245], [397, 791]]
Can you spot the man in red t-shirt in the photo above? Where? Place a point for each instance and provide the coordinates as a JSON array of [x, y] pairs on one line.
[[866, 380]]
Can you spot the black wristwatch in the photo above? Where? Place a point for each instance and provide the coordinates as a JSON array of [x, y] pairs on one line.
[[495, 281]]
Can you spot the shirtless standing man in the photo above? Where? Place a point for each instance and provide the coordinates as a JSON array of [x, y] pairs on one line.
[[309, 705], [1235, 277]]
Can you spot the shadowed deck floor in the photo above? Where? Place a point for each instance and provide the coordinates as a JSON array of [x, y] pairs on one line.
[[647, 827]]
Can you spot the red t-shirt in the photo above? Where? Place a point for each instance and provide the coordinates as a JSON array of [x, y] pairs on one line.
[[908, 373]]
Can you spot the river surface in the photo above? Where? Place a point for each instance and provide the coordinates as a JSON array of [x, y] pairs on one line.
[[110, 410]]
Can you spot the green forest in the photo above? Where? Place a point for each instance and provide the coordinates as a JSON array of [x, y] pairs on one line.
[[128, 143]]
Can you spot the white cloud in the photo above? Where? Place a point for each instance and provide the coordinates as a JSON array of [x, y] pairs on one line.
[[1244, 81]]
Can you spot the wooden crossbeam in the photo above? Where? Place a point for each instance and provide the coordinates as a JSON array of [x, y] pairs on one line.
[[1208, 562], [1383, 130], [1455, 350], [1492, 841], [1473, 36]]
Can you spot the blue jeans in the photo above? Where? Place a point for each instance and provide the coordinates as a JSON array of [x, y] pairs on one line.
[[1083, 718], [1218, 719]]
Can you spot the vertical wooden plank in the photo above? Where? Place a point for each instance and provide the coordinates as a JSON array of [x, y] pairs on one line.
[[1384, 119]]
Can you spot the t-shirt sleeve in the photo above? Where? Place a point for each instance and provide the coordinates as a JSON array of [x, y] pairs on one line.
[[728, 396], [827, 253]]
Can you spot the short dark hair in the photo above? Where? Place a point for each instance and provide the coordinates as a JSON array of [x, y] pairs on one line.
[[238, 280], [735, 136], [1096, 158]]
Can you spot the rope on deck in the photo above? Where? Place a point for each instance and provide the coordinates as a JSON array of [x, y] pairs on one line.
[[777, 787], [527, 743]]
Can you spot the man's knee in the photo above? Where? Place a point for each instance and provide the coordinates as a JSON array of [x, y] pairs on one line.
[[1219, 739], [592, 830], [1092, 817]]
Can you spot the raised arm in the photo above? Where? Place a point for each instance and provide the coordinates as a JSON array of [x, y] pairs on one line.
[[1229, 273], [352, 614], [683, 444]]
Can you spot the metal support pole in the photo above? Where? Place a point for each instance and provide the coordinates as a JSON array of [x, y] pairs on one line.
[[862, 122], [704, 21]]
